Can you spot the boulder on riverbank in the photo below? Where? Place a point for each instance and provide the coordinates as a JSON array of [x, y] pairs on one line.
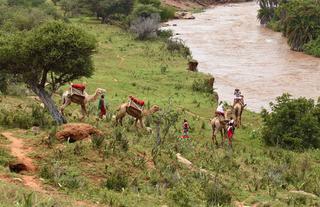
[[193, 65], [183, 15]]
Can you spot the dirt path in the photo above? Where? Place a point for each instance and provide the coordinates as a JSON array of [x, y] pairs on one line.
[[20, 151]]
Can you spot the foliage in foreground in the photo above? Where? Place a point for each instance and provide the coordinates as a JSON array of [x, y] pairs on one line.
[[292, 123]]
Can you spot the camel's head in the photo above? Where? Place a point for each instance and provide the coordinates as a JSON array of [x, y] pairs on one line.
[[155, 108], [100, 91]]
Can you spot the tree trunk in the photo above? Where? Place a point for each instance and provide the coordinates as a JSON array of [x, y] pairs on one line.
[[48, 102]]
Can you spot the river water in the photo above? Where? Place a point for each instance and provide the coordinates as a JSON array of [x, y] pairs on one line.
[[230, 44]]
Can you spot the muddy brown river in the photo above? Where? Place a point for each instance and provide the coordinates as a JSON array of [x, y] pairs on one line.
[[230, 44]]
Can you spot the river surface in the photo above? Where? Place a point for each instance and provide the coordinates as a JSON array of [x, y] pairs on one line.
[[230, 44]]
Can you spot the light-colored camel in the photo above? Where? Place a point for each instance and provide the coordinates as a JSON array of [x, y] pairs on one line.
[[122, 111], [67, 99], [237, 111], [218, 125]]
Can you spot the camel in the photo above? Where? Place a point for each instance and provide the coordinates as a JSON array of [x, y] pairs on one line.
[[218, 126], [67, 99], [237, 110], [122, 111]]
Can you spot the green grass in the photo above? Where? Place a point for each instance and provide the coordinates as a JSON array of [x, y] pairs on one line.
[[251, 172]]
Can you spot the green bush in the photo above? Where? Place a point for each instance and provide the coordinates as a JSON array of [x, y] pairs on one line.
[[178, 46], [144, 10], [166, 13], [313, 47], [292, 123], [203, 85]]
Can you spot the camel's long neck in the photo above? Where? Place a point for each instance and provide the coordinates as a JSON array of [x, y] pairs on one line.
[[147, 112], [92, 97]]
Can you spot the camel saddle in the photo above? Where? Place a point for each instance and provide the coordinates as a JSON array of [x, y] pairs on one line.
[[77, 96], [134, 109]]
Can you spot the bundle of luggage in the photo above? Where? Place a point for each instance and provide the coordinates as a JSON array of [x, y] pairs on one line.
[[135, 107], [77, 92]]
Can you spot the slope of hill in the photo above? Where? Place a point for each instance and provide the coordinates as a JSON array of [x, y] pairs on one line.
[[131, 167]]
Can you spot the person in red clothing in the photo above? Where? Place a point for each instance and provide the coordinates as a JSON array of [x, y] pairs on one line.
[[102, 107], [185, 130]]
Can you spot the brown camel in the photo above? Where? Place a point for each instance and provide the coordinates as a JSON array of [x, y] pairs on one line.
[[122, 111], [67, 99], [237, 111], [218, 125]]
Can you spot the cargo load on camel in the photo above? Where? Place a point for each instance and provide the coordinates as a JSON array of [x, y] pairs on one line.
[[77, 92], [135, 107]]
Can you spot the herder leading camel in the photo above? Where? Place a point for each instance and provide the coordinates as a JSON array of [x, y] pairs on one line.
[[67, 99]]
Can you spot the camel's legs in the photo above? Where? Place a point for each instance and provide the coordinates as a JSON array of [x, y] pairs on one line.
[[67, 103], [83, 111], [136, 123], [141, 123], [214, 137]]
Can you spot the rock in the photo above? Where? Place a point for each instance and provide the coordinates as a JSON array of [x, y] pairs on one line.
[[300, 192], [183, 15], [77, 131], [193, 65], [184, 160]]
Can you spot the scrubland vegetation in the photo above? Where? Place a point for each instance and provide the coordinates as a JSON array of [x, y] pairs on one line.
[[275, 155]]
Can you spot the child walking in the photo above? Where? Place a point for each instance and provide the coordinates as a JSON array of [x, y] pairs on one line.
[[185, 130]]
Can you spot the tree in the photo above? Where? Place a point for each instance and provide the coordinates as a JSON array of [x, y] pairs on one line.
[[292, 123], [110, 8], [47, 57]]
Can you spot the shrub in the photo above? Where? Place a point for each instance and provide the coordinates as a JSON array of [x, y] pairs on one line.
[[165, 34], [144, 11], [300, 21], [167, 12], [145, 27], [313, 47], [292, 123], [266, 11], [203, 85], [97, 141], [117, 181], [178, 46]]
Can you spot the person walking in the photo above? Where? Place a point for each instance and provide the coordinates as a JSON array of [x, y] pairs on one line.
[[102, 107]]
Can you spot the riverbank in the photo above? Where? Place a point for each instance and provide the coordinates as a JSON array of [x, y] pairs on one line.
[[196, 5], [230, 44]]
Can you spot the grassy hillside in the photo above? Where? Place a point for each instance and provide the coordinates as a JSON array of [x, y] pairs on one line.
[[121, 170]]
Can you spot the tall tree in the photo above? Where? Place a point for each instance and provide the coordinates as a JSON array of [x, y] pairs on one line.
[[47, 57]]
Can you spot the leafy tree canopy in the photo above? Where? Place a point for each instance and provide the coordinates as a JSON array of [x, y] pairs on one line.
[[50, 55]]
